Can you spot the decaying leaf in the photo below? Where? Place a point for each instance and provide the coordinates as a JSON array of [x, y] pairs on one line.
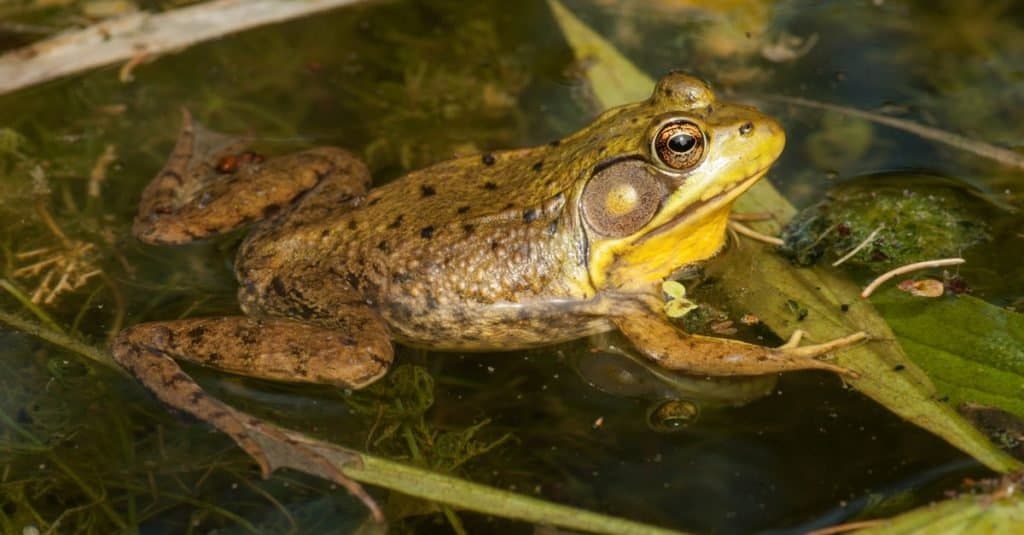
[[923, 287]]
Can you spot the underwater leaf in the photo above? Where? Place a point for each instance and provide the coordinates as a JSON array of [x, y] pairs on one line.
[[766, 285], [974, 515], [972, 350]]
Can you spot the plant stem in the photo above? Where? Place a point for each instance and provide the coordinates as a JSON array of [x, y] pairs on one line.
[[32, 307]]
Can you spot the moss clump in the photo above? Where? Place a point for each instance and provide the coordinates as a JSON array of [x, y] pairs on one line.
[[901, 219]]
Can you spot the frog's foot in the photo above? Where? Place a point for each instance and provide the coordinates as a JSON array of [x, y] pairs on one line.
[[212, 184], [674, 349], [275, 447], [269, 348], [794, 339]]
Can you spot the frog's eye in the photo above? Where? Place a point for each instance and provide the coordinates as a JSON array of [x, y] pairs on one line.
[[679, 145], [621, 198]]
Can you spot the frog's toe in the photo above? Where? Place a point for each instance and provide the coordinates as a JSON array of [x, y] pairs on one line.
[[810, 354], [794, 339], [818, 350]]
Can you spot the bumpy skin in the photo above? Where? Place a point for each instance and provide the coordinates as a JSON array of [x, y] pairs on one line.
[[491, 252]]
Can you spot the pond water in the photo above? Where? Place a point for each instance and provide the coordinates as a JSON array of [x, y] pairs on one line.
[[409, 83]]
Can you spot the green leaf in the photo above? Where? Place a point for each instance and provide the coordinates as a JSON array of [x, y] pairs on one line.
[[613, 77], [674, 289], [765, 284], [677, 308], [973, 350], [974, 515]]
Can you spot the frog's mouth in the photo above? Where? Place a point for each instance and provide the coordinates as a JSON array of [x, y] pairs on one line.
[[699, 209]]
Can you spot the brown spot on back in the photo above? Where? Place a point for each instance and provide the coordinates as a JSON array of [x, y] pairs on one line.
[[277, 285], [196, 334], [270, 209]]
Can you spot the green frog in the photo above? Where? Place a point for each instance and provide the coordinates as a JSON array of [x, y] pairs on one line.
[[499, 251]]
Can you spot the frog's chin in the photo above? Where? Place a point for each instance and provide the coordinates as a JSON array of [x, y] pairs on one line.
[[699, 211]]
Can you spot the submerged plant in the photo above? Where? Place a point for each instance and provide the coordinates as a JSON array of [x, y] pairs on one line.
[[880, 225]]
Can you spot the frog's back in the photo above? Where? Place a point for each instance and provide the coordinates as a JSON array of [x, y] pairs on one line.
[[435, 252]]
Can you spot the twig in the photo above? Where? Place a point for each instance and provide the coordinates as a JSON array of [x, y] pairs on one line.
[[740, 228], [861, 245], [137, 35], [870, 288], [98, 175], [979, 148]]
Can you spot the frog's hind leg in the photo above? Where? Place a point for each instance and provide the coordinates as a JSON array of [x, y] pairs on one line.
[[270, 348], [211, 184]]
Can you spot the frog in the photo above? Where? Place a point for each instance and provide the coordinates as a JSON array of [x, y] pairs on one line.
[[504, 250]]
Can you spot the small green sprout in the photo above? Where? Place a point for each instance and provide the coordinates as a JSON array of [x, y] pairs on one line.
[[676, 305]]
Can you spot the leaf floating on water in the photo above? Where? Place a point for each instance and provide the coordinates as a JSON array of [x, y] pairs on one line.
[[923, 287], [974, 515], [972, 350]]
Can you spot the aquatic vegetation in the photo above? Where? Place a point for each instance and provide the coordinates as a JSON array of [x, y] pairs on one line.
[[886, 225], [408, 83]]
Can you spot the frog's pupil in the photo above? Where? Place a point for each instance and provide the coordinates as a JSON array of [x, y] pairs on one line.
[[681, 142]]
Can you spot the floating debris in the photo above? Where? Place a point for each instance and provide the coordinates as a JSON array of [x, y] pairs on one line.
[[923, 287], [881, 279]]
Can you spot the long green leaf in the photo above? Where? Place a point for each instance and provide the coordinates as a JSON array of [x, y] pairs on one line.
[[766, 285], [968, 515], [973, 350]]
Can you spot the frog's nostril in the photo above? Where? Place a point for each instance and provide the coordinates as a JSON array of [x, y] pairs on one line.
[[746, 128]]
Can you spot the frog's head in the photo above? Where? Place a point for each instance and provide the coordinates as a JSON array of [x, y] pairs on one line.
[[663, 177]]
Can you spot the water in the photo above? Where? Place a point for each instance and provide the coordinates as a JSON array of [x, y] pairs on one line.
[[406, 84]]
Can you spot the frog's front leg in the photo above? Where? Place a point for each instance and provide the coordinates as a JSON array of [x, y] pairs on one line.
[[212, 184], [270, 348], [670, 347]]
